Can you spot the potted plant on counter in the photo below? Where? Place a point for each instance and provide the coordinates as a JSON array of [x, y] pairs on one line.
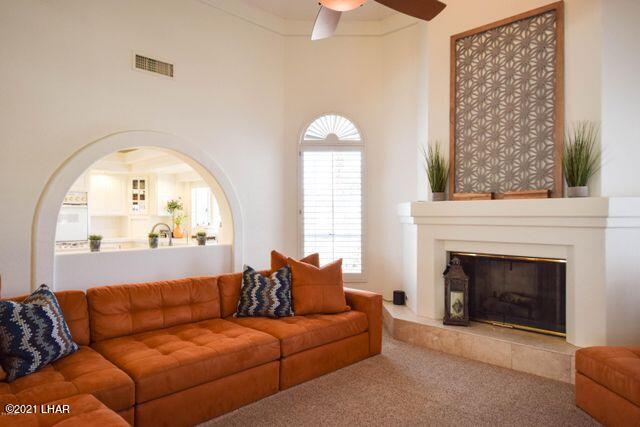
[[178, 220], [581, 159], [173, 207], [153, 240], [94, 242], [201, 236], [437, 169]]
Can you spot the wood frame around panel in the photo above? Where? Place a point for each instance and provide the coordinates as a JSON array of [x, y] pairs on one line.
[[558, 7]]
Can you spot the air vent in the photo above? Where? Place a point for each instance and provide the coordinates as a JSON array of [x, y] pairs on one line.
[[154, 65]]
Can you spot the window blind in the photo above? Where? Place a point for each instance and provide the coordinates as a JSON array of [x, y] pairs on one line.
[[200, 206], [332, 206]]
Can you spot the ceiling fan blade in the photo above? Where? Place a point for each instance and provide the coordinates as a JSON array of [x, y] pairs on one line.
[[421, 9], [326, 23]]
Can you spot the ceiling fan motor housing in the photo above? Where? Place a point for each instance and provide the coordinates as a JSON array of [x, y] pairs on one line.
[[342, 5]]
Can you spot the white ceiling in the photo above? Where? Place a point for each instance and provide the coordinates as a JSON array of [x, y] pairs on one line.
[[142, 160], [306, 10]]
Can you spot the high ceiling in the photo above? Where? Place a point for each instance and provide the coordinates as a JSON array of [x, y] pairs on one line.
[[307, 10]]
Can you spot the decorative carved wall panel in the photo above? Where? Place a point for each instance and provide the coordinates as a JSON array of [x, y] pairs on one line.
[[507, 105]]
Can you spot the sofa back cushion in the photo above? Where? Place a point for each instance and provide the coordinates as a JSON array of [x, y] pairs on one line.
[[74, 309], [129, 309]]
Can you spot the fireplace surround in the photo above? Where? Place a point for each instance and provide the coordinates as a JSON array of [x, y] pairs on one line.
[[598, 237]]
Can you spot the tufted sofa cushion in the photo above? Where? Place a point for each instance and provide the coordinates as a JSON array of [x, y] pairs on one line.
[[122, 310], [85, 371], [301, 333], [169, 360], [75, 312], [84, 411]]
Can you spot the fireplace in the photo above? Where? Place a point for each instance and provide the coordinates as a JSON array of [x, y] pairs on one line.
[[519, 292]]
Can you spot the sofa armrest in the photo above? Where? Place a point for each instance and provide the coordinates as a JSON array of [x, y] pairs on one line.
[[370, 304]]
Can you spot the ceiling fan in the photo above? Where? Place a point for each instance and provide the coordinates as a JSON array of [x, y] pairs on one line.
[[331, 10]]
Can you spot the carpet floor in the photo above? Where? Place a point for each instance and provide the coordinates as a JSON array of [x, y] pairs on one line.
[[407, 386]]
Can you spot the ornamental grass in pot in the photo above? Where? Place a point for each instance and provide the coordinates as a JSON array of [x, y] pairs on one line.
[[581, 158], [437, 169]]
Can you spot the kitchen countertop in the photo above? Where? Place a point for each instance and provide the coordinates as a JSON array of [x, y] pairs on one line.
[[115, 244]]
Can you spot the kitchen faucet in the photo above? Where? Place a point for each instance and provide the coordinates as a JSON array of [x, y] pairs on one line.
[[153, 230]]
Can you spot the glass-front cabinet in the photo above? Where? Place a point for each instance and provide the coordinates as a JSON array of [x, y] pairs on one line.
[[139, 199]]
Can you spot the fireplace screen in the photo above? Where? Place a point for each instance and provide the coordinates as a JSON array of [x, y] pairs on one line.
[[527, 293]]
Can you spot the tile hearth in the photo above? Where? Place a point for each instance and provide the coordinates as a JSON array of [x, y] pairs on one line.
[[546, 356]]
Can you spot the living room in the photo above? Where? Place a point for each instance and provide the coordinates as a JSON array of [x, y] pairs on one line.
[[459, 174]]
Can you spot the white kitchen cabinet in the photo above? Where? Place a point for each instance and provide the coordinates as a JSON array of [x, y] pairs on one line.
[[139, 191], [80, 184], [165, 189], [107, 194]]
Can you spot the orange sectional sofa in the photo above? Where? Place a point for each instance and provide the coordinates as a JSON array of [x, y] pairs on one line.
[[171, 353], [608, 384]]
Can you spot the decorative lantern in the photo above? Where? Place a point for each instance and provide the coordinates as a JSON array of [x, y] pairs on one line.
[[456, 295]]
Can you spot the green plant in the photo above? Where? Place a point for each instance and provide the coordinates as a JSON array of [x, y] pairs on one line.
[[153, 235], [436, 167], [201, 234], [179, 219], [95, 237], [174, 205], [581, 159]]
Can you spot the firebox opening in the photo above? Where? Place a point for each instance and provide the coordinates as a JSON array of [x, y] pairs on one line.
[[518, 292]]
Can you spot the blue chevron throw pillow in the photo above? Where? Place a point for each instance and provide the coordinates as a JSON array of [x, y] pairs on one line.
[[33, 333], [265, 296]]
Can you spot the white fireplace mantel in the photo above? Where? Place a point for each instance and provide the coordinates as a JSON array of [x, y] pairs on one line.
[[599, 238]]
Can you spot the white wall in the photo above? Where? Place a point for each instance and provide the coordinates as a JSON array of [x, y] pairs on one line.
[[373, 81], [68, 81], [132, 265], [341, 75], [620, 95], [243, 92]]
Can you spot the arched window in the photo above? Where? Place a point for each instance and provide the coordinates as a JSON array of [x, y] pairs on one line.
[[331, 193]]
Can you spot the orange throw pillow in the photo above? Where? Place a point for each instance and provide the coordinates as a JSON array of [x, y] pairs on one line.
[[279, 260], [317, 290]]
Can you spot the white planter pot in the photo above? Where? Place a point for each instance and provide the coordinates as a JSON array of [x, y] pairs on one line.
[[438, 197], [578, 191]]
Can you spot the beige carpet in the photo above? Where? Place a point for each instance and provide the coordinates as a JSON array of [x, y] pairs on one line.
[[407, 386]]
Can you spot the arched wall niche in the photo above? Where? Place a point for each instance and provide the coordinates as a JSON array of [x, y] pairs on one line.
[[46, 214]]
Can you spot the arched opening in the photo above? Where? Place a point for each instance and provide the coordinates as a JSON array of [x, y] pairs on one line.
[[200, 162]]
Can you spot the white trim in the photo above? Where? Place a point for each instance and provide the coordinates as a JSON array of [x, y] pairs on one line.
[[46, 213], [320, 145]]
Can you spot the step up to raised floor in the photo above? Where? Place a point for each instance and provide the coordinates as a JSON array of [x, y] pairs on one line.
[[543, 355]]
